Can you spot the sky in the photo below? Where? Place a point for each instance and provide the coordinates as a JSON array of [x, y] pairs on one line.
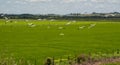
[[58, 6]]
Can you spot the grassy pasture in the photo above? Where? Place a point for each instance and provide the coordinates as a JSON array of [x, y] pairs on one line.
[[18, 39]]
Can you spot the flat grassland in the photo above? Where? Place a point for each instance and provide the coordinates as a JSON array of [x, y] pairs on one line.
[[60, 38]]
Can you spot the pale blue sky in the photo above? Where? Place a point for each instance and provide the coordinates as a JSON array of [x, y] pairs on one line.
[[58, 6]]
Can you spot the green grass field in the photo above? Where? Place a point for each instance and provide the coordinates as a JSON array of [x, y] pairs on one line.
[[55, 38]]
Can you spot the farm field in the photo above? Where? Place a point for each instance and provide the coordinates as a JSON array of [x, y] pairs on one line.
[[37, 39]]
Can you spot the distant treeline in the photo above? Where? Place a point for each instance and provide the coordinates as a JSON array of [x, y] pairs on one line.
[[93, 16]]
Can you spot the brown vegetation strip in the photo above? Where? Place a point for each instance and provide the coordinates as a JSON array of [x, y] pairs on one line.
[[100, 62]]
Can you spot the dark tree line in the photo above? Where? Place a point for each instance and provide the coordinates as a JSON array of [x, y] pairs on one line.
[[93, 16]]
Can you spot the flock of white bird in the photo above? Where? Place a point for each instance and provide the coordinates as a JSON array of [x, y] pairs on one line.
[[59, 28], [31, 25]]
